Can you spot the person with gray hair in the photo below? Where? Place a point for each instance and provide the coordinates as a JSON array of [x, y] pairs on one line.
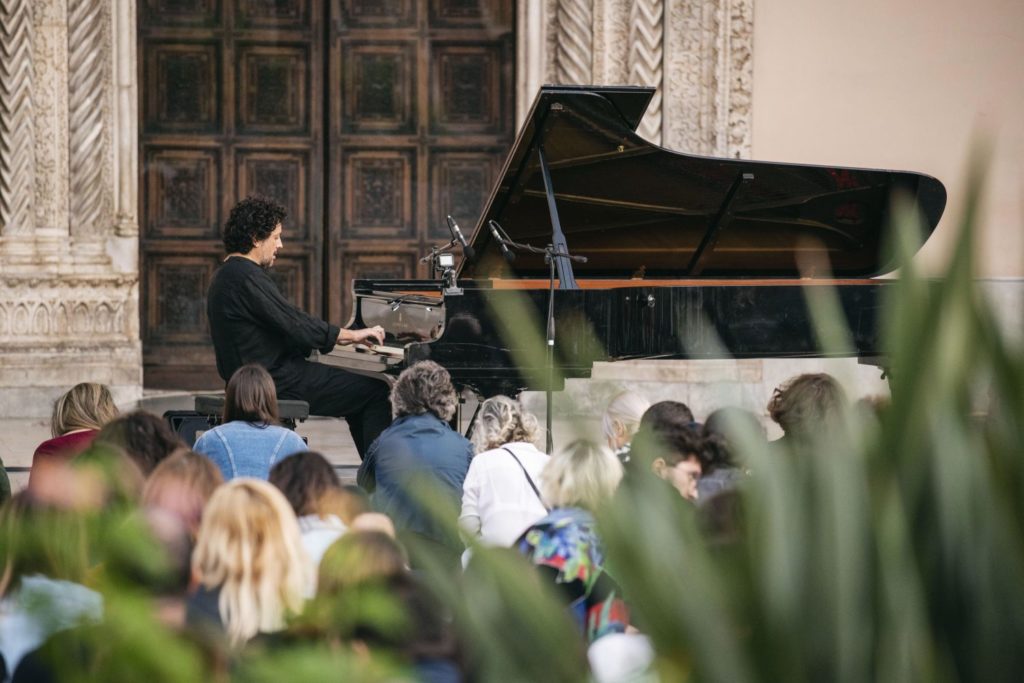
[[501, 496], [419, 463]]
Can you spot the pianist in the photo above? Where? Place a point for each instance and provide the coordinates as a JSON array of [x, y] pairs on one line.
[[252, 322]]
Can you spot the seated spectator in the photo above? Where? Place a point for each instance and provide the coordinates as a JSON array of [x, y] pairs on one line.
[[808, 407], [181, 485], [501, 497], [622, 418], [251, 439], [45, 564], [78, 416], [374, 521], [251, 569], [565, 544], [419, 463], [722, 470], [659, 416], [144, 437], [668, 445], [313, 490], [368, 597]]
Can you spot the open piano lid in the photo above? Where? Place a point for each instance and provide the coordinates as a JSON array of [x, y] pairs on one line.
[[636, 210]]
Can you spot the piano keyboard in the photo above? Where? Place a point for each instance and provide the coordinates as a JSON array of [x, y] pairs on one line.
[[375, 358]]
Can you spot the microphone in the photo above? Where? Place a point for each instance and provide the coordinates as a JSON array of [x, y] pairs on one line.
[[509, 255], [467, 251]]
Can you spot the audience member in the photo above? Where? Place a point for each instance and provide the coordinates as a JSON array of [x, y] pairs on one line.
[[353, 502], [181, 485], [144, 437], [78, 415], [659, 417], [309, 483], [416, 467], [622, 418], [722, 431], [45, 564], [374, 521], [249, 563], [565, 545], [250, 440], [807, 407], [500, 497]]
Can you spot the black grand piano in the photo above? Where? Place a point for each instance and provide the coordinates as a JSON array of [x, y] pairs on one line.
[[687, 257]]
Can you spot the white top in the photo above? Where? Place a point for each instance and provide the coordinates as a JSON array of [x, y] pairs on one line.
[[318, 533], [40, 608], [496, 497]]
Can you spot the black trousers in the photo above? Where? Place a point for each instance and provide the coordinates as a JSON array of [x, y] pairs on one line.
[[333, 392]]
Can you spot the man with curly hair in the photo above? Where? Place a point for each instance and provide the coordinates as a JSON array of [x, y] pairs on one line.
[[252, 322], [417, 467]]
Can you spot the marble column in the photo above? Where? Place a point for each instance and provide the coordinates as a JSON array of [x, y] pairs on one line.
[[68, 201]]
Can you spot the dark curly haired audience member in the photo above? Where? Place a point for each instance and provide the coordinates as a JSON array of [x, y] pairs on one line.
[[808, 407], [314, 491], [722, 432], [420, 462], [252, 322], [144, 437]]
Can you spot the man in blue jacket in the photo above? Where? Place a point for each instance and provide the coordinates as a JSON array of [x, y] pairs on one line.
[[416, 467]]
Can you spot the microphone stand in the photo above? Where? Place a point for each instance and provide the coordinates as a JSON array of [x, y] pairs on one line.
[[550, 254]]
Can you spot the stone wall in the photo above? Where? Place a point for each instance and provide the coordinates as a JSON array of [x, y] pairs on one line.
[[68, 201]]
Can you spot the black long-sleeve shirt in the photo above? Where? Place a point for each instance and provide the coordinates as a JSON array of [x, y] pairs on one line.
[[252, 322]]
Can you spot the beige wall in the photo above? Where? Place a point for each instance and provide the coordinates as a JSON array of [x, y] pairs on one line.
[[900, 84]]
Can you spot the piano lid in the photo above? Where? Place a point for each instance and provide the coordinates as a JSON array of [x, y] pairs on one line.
[[636, 210]]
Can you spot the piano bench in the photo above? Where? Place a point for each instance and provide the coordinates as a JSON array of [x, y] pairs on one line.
[[290, 412]]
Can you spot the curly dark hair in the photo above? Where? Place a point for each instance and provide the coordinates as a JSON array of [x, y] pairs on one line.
[[253, 219]]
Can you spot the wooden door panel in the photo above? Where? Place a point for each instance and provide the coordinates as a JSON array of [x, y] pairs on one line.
[[232, 105], [417, 130]]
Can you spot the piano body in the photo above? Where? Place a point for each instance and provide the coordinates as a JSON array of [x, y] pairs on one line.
[[688, 257]]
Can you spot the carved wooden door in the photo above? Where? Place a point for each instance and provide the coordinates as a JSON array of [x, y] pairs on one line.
[[421, 115], [418, 102]]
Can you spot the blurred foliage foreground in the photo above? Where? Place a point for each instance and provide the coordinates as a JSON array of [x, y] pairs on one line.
[[893, 552]]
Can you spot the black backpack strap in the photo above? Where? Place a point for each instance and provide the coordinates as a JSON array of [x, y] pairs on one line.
[[529, 479]]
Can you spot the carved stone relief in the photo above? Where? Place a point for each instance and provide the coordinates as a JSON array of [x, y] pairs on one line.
[[89, 105], [697, 52], [68, 195], [17, 154]]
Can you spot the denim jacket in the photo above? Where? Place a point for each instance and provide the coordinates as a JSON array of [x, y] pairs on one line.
[[417, 454], [243, 449]]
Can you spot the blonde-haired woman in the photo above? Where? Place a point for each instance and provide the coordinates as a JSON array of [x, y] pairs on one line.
[[565, 545], [621, 418], [249, 562], [501, 495], [78, 415]]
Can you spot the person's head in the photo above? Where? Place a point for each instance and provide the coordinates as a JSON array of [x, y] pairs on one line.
[[254, 229], [306, 480], [250, 548], [360, 557], [84, 406], [146, 438], [181, 485], [720, 436], [582, 475], [374, 521], [425, 387], [251, 396], [808, 404], [622, 418], [666, 415], [502, 420], [679, 460]]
